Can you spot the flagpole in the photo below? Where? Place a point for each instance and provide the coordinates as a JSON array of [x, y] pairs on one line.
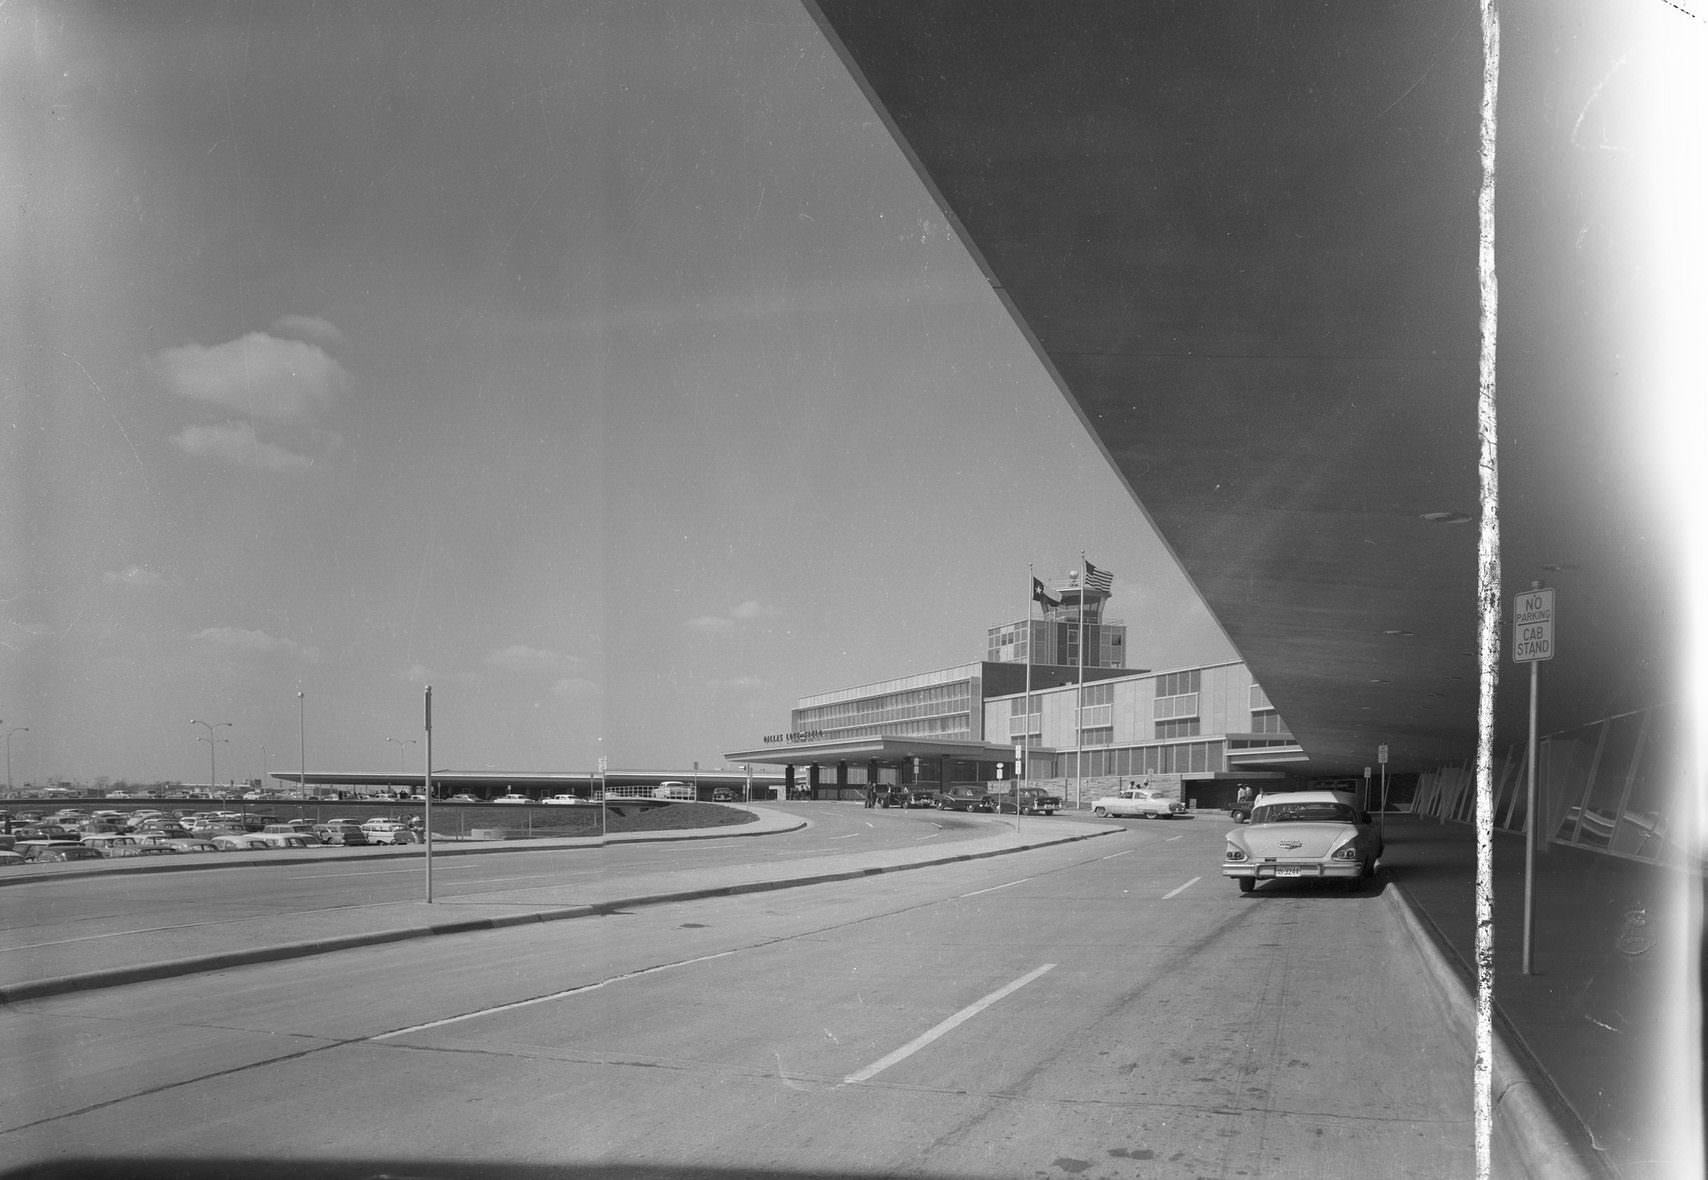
[[1079, 700]]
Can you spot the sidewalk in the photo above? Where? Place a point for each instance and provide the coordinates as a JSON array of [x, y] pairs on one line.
[[1607, 999]]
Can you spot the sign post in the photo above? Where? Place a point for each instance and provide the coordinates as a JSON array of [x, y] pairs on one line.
[[1532, 642], [427, 791], [1382, 758]]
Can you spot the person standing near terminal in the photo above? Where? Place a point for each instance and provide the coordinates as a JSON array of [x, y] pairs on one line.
[[871, 794]]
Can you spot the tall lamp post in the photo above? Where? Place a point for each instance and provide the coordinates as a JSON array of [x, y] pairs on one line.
[[302, 747], [9, 733], [213, 780], [401, 752]]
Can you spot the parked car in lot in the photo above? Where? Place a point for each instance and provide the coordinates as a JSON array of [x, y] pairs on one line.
[[387, 831], [1303, 835], [512, 797], [300, 828], [566, 800], [241, 842], [1029, 801], [286, 839], [965, 799], [723, 795], [1140, 803], [340, 833], [138, 848], [183, 843], [54, 851], [462, 798], [8, 857]]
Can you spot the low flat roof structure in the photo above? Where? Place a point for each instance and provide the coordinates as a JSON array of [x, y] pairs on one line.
[[880, 748]]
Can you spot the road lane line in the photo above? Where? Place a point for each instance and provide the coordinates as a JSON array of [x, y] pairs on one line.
[[994, 888], [566, 993], [1177, 892], [925, 1038], [1113, 855]]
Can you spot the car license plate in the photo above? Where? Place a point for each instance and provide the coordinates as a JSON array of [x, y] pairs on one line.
[[1289, 871]]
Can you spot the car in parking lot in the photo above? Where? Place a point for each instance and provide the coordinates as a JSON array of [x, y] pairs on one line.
[[1030, 801], [965, 799], [723, 795], [1139, 802], [1303, 835], [138, 848], [8, 857], [387, 831], [566, 800], [512, 797], [55, 851], [340, 833], [462, 798], [183, 843], [286, 839], [240, 842]]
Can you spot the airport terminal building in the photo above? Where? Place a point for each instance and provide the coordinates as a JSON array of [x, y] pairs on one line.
[[1034, 709]]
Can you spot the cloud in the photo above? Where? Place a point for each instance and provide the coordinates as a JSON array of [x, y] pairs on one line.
[[236, 443], [574, 686], [740, 613], [259, 375], [310, 328], [135, 575], [740, 683], [243, 642], [520, 658]]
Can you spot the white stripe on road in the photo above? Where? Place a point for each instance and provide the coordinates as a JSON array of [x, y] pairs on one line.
[[572, 991], [924, 1039], [1113, 855], [994, 888], [1182, 889]]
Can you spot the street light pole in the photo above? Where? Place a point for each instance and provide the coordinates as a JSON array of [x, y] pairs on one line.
[[213, 779], [9, 733], [302, 746], [401, 752]]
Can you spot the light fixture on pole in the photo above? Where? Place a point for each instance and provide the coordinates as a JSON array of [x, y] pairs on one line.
[[401, 754], [9, 733], [211, 740]]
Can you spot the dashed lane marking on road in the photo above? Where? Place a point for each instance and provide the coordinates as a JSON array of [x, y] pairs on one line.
[[1181, 889], [994, 888], [959, 1018], [1113, 855], [565, 994]]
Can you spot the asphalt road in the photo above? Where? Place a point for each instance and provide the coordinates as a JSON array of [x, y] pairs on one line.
[[1109, 1008], [82, 918]]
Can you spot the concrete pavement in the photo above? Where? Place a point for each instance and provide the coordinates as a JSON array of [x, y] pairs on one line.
[[1551, 1069]]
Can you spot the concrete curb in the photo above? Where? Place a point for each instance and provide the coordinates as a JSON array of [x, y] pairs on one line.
[[1529, 1113], [141, 973]]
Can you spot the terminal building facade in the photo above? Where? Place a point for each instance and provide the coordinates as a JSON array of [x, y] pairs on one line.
[[1035, 709]]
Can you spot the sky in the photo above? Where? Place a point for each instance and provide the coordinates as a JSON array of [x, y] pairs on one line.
[[604, 367]]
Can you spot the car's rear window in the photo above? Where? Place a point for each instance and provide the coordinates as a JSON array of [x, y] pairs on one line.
[[1304, 813]]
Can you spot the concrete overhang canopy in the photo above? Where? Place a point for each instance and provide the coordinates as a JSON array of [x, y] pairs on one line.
[[1242, 240], [883, 749]]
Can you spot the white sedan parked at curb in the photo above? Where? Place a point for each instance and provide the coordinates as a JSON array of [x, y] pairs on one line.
[[1140, 802]]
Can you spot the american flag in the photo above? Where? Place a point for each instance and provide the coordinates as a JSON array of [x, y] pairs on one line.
[[1101, 581]]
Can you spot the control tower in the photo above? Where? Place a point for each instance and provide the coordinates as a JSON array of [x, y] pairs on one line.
[[1054, 639]]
